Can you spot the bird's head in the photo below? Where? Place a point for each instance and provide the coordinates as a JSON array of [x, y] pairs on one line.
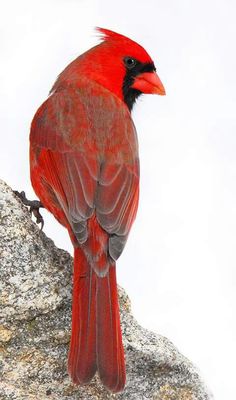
[[120, 65]]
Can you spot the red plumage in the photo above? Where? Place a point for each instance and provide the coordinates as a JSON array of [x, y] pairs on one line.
[[85, 170]]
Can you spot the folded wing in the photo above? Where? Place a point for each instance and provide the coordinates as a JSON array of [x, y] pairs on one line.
[[91, 177]]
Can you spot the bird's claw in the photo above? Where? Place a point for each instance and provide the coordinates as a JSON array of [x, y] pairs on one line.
[[38, 216], [34, 206]]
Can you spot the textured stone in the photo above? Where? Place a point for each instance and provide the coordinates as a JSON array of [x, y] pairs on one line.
[[35, 313]]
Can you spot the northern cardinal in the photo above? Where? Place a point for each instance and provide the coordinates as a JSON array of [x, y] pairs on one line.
[[85, 170]]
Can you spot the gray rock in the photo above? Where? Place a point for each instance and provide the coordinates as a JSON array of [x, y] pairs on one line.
[[35, 313]]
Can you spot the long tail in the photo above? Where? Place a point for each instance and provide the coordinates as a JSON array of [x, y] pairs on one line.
[[96, 341]]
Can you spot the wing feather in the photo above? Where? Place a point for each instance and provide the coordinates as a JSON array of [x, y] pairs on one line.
[[86, 170], [113, 200]]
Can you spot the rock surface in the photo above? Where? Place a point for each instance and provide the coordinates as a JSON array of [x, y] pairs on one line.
[[35, 313]]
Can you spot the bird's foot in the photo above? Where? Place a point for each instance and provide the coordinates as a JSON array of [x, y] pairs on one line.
[[34, 206]]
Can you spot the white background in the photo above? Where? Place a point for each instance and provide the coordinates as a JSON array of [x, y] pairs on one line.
[[179, 263]]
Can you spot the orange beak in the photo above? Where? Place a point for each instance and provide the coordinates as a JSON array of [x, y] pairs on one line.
[[149, 82]]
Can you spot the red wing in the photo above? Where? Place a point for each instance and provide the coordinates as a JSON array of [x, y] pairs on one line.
[[80, 179], [117, 203], [73, 184]]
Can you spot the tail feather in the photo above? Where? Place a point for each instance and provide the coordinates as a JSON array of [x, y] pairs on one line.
[[82, 363], [96, 341], [110, 353]]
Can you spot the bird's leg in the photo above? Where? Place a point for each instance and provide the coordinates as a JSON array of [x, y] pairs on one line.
[[34, 206]]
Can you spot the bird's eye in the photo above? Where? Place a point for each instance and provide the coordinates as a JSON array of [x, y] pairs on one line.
[[130, 62]]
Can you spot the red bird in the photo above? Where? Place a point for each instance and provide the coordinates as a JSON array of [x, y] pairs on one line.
[[85, 170]]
